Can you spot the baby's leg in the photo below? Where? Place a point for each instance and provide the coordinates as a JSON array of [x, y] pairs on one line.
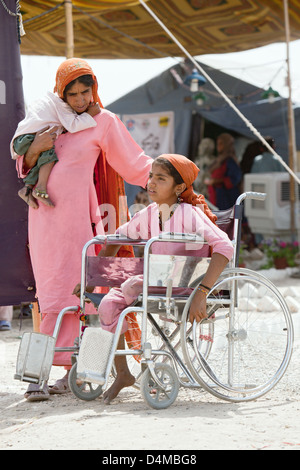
[[21, 144], [26, 194], [40, 191]]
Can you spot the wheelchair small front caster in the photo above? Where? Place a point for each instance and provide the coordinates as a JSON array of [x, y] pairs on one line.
[[84, 390], [153, 394]]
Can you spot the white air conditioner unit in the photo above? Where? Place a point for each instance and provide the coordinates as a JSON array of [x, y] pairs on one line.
[[271, 217]]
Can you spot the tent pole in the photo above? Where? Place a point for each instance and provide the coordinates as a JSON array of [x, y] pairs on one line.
[[69, 30], [291, 123]]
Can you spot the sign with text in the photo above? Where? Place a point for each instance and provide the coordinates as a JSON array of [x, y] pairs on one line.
[[153, 132]]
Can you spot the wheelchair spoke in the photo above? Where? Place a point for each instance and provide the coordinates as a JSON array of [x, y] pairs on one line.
[[252, 340]]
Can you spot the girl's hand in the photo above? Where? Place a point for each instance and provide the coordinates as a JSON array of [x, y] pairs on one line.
[[198, 307]]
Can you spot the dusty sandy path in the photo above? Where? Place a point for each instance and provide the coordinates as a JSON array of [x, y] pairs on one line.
[[195, 421]]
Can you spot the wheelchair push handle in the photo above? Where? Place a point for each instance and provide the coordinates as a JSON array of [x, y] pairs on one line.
[[251, 195], [257, 196]]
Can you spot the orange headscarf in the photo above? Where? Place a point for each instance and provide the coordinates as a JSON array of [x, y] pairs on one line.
[[109, 184], [189, 172], [71, 69]]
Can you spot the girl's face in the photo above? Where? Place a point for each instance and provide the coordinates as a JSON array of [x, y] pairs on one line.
[[79, 96], [161, 186]]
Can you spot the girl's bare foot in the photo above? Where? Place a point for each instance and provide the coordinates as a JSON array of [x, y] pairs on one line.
[[122, 380], [26, 194], [42, 195]]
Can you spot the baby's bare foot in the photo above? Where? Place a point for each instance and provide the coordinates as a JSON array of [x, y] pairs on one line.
[[42, 195], [26, 194]]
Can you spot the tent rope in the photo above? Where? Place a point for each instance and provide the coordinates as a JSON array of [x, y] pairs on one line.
[[226, 98], [44, 13]]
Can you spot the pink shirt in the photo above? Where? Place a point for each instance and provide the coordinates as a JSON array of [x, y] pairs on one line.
[[186, 219]]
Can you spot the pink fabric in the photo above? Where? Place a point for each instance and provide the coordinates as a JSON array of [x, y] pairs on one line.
[[69, 331], [51, 110], [57, 235], [144, 225], [186, 219], [116, 300]]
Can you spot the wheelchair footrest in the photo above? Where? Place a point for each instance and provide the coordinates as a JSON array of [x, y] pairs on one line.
[[93, 355], [35, 357]]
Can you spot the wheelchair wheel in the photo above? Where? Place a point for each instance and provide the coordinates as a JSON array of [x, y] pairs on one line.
[[84, 390], [252, 341], [153, 394]]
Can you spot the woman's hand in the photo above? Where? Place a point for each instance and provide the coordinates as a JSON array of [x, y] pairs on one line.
[[198, 307], [77, 289], [44, 140]]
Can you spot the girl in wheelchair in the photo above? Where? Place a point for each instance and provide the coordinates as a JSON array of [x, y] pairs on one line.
[[175, 208]]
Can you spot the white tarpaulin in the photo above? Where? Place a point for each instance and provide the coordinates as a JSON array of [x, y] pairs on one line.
[[154, 132]]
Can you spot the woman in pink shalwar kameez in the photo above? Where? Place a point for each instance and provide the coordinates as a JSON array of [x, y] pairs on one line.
[[58, 234]]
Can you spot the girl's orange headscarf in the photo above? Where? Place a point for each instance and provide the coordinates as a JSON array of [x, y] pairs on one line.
[[109, 184], [189, 172]]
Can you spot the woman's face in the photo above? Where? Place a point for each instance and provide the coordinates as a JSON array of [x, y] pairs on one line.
[[79, 96]]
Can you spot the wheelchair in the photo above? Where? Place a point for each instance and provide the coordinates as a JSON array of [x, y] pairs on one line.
[[238, 353]]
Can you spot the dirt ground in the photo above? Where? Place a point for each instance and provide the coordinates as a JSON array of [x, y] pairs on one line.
[[194, 422]]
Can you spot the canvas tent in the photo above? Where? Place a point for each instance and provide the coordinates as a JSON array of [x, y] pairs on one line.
[[167, 92]]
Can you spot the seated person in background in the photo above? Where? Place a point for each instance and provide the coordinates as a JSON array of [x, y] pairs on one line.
[[251, 151], [225, 174], [266, 162], [204, 160]]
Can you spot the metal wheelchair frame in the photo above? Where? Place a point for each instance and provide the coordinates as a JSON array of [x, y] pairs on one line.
[[196, 360]]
